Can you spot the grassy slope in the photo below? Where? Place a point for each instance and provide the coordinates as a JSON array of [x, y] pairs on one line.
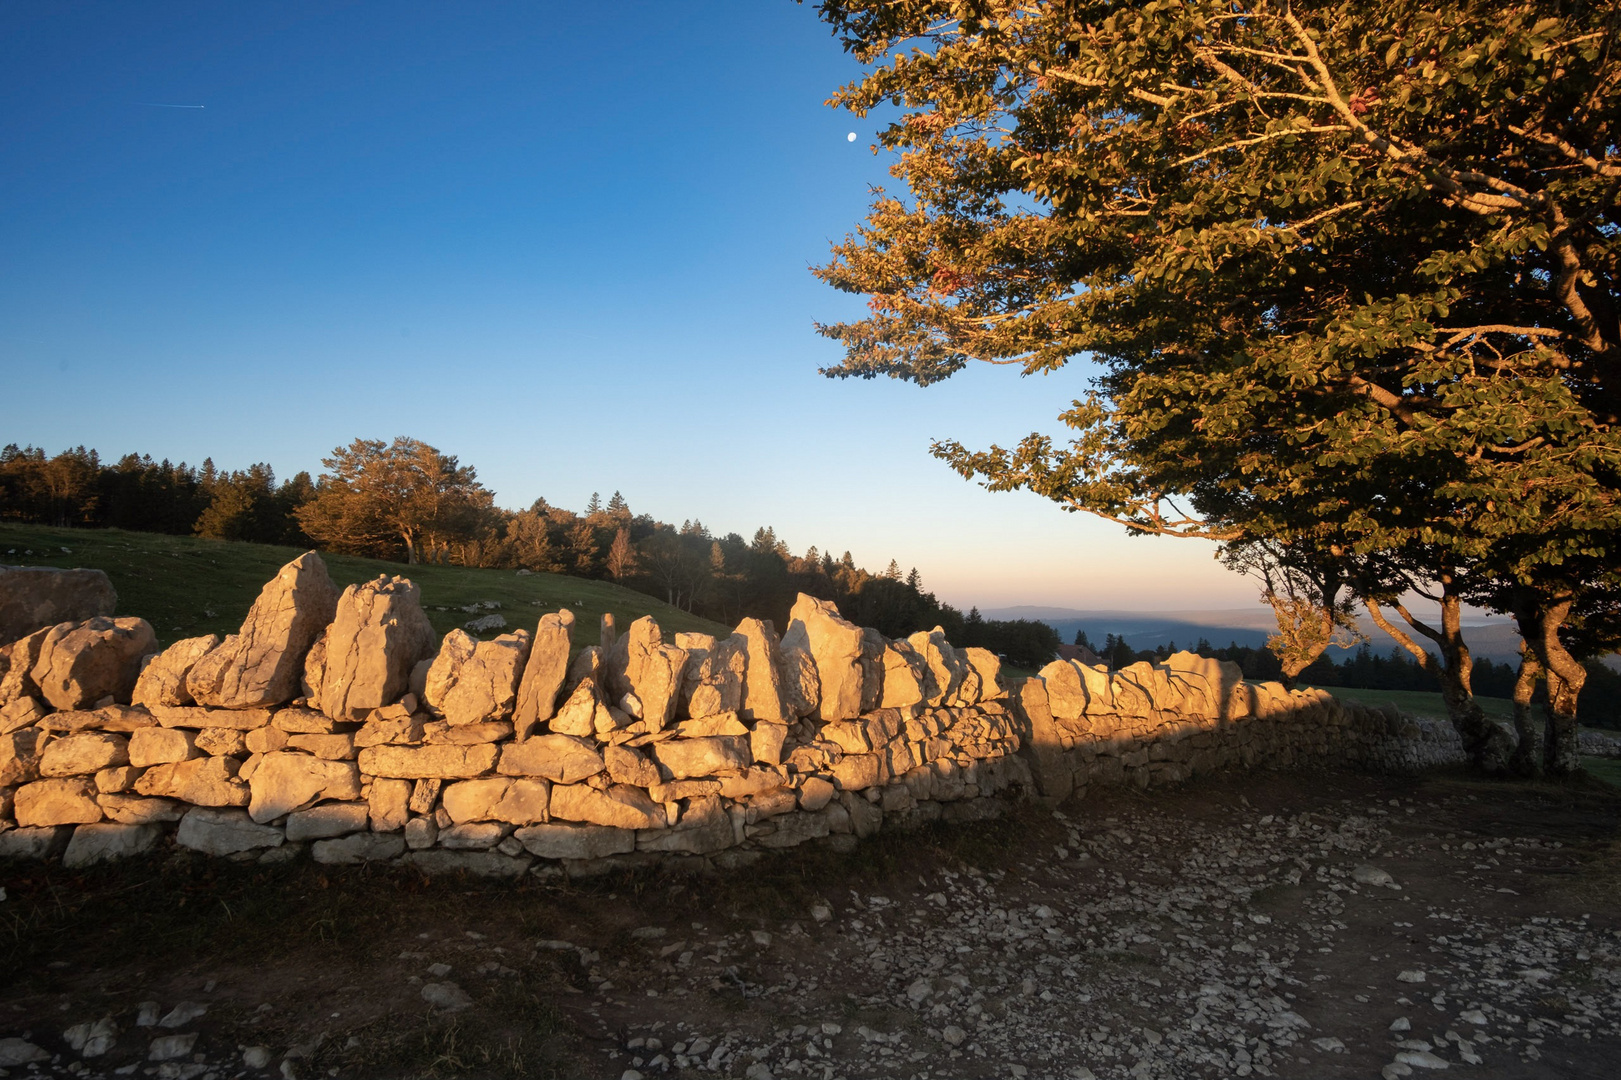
[[1425, 703], [185, 586]]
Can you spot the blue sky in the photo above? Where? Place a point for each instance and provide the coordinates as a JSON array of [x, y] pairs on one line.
[[568, 243]]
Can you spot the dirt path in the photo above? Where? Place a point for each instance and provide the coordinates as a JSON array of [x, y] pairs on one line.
[[1216, 930]]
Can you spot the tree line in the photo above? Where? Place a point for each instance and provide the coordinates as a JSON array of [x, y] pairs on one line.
[[407, 501]]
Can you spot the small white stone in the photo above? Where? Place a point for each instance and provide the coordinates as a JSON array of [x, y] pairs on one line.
[[447, 996], [1412, 975], [256, 1057], [183, 1014], [954, 1035], [171, 1047], [1422, 1059]]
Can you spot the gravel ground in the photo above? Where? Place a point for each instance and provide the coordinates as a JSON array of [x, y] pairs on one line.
[[1308, 926]]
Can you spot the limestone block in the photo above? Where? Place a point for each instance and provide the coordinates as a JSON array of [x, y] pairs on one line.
[[640, 663], [117, 778], [628, 766], [34, 598], [425, 795], [421, 832], [473, 681], [197, 717], [163, 678], [544, 672], [681, 759], [82, 663], [329, 747], [561, 759], [33, 843], [762, 693], [796, 674], [327, 820], [286, 781], [358, 848], [620, 806], [715, 674], [514, 800], [17, 660], [389, 804], [765, 742], [208, 781], [418, 762], [99, 843], [945, 668], [727, 723], [224, 832], [393, 726], [562, 841], [815, 793], [134, 810], [473, 836], [378, 635], [297, 720], [769, 804], [57, 802], [440, 733], [20, 713], [265, 740], [583, 714], [849, 736], [262, 663], [988, 667], [704, 828], [857, 772], [791, 830], [835, 646], [19, 756], [905, 676], [753, 782], [83, 754], [222, 741], [313, 676]]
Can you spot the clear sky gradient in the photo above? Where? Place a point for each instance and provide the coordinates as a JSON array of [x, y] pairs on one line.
[[568, 243]]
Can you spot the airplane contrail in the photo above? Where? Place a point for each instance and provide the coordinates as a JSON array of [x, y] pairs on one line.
[[164, 105]]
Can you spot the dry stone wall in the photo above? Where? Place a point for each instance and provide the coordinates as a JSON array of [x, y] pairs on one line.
[[339, 725]]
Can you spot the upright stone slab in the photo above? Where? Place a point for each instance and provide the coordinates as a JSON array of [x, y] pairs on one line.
[[543, 673], [81, 663], [38, 597], [715, 675], [946, 668], [17, 660], [261, 664], [834, 645], [474, 681], [378, 635], [163, 679], [640, 663], [905, 675], [762, 682]]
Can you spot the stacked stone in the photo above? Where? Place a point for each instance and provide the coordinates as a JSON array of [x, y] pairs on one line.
[[1161, 723], [340, 723]]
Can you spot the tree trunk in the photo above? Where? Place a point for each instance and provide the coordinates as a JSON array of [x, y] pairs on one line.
[[1485, 743], [1525, 762], [1540, 616]]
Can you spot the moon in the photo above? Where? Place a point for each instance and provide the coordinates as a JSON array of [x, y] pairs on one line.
[[850, 137]]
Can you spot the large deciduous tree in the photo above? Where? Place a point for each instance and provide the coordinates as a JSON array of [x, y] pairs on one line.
[[392, 499], [1350, 272]]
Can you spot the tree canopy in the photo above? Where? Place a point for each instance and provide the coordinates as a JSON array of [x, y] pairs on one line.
[[1350, 273]]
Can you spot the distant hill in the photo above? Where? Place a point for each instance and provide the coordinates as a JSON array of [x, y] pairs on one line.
[[1495, 638]]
